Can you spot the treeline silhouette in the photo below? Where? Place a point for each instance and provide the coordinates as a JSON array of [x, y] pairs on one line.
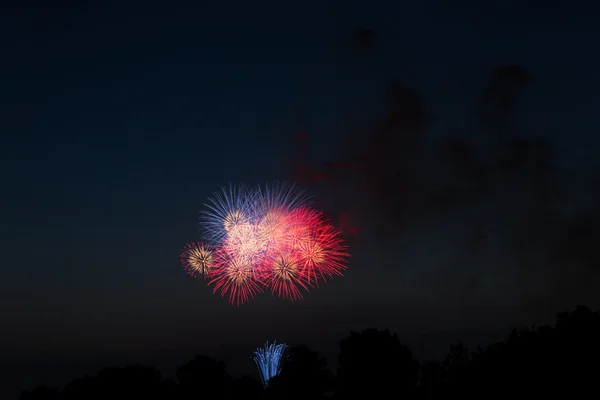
[[558, 360]]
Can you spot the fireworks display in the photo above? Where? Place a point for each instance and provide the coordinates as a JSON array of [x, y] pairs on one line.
[[269, 360], [264, 238], [197, 259]]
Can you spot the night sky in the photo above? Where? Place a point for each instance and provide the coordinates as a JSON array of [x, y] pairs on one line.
[[118, 121]]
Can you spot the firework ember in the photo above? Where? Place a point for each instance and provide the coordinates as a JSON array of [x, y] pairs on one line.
[[264, 238]]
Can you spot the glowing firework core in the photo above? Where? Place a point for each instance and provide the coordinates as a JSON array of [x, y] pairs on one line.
[[265, 238], [197, 259]]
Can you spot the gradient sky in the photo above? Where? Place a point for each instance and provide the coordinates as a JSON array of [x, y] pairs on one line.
[[117, 122]]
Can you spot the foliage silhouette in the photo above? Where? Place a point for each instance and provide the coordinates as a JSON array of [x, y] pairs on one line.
[[203, 376], [41, 393], [116, 382], [304, 376], [534, 361], [375, 363], [246, 387], [433, 380]]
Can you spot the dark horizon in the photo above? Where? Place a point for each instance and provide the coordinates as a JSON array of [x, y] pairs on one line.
[[55, 369], [360, 352], [25, 371]]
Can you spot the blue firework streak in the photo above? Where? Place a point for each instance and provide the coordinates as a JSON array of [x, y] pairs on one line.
[[269, 360], [230, 206], [280, 196], [237, 205]]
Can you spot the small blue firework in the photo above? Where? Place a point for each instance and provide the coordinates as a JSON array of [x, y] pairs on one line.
[[269, 360]]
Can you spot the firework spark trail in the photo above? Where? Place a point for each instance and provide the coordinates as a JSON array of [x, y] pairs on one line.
[[269, 360], [265, 238], [197, 259], [286, 278], [226, 210], [234, 275], [323, 253], [281, 196]]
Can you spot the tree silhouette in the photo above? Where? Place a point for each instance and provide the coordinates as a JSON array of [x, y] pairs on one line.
[[374, 363], [203, 376], [305, 376], [540, 361], [457, 365], [543, 360], [433, 380], [132, 381], [577, 333], [41, 393], [246, 387]]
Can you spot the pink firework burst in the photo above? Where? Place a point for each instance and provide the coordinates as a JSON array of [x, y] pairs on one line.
[[234, 275], [268, 239], [323, 254], [284, 276]]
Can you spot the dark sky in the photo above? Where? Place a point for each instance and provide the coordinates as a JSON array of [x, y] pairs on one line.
[[118, 121]]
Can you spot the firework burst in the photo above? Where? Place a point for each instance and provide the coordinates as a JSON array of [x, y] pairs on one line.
[[197, 259], [226, 211], [269, 360], [285, 277], [265, 238], [234, 275], [323, 254], [280, 197]]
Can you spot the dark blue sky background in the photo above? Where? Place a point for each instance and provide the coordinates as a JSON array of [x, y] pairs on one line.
[[118, 121]]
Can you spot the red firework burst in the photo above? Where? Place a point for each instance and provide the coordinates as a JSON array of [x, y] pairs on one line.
[[234, 274], [323, 254], [284, 276], [284, 247]]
